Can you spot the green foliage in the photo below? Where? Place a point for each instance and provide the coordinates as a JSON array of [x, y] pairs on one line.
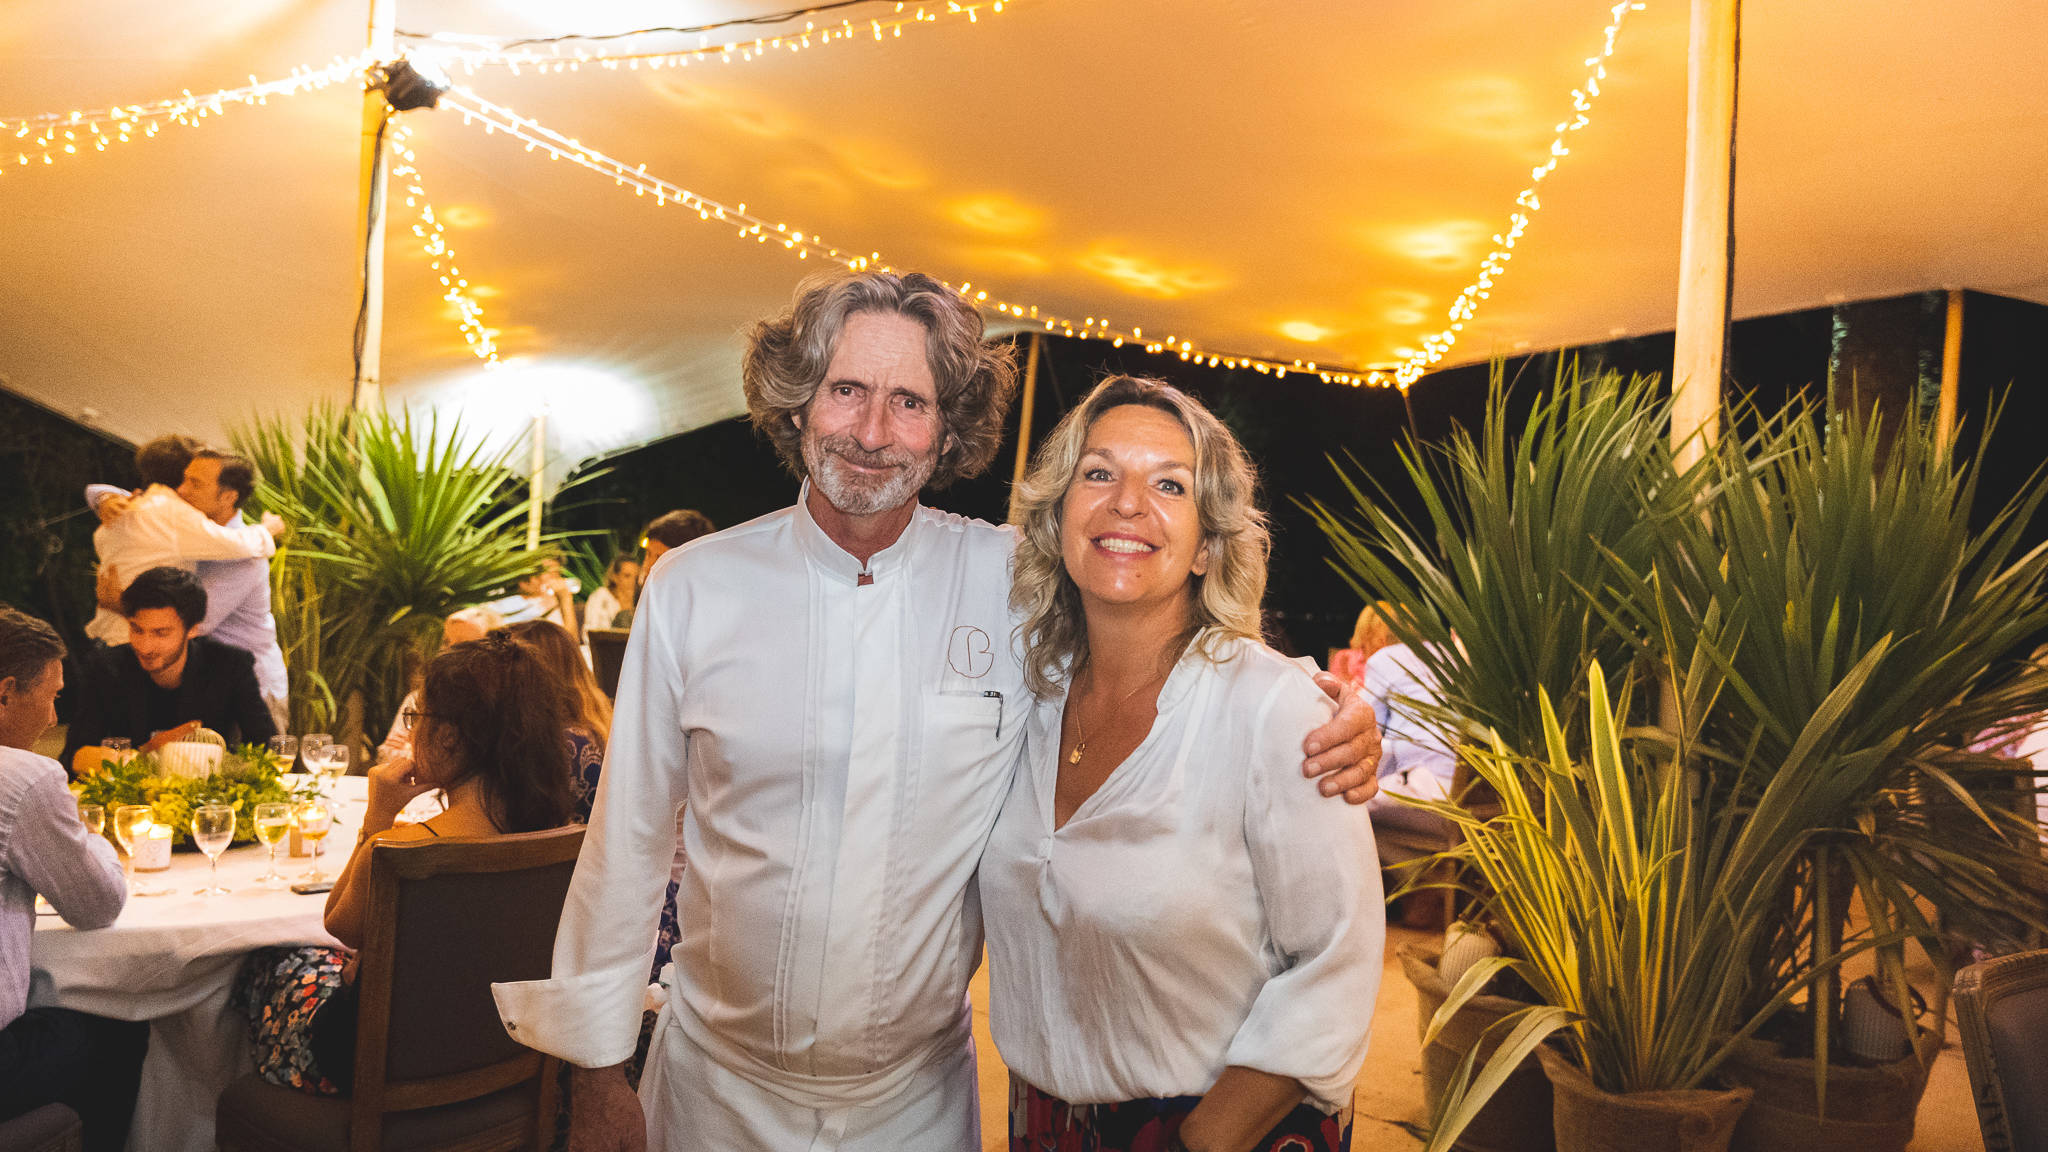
[[1624, 889], [1830, 635], [1511, 558], [394, 525], [246, 778], [1830, 546]]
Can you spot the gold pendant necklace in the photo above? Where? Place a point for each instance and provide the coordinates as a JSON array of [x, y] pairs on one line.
[[1081, 744]]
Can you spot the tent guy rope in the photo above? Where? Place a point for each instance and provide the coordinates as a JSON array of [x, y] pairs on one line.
[[473, 52]]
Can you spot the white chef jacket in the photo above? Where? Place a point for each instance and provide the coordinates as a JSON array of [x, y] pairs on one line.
[[842, 750], [160, 530], [1206, 907]]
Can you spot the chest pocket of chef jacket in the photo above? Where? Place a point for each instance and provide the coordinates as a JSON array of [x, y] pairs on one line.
[[961, 724], [962, 730]]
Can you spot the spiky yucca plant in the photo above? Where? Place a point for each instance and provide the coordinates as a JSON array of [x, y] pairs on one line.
[[1828, 547], [1624, 892], [1511, 556], [394, 524]]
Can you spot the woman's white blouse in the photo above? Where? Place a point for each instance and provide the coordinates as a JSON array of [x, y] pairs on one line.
[[1207, 907]]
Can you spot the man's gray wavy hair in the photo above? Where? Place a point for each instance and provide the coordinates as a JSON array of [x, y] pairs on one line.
[[787, 356]]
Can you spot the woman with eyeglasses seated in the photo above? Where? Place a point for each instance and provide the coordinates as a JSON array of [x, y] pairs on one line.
[[487, 732], [1184, 942]]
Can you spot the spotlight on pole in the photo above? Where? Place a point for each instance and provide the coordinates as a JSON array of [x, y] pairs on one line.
[[409, 85]]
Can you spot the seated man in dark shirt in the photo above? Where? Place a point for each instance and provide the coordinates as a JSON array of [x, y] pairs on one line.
[[165, 676]]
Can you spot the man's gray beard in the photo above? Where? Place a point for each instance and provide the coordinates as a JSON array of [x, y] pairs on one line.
[[857, 495]]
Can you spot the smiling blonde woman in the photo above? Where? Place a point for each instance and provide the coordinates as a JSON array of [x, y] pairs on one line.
[[1184, 938]]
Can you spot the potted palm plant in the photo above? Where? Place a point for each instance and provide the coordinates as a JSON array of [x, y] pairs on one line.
[[1491, 586], [1624, 889], [394, 524], [1833, 547]]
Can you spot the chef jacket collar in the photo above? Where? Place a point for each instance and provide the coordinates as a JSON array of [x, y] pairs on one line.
[[840, 564]]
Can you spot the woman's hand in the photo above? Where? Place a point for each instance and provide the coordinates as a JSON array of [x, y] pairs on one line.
[[393, 784]]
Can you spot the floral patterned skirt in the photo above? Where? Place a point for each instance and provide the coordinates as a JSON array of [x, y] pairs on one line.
[[282, 990], [1044, 1123]]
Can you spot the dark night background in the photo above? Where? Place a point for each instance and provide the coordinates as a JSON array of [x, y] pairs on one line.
[[1293, 428]]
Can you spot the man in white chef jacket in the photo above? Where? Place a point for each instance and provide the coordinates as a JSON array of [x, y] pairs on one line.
[[834, 692]]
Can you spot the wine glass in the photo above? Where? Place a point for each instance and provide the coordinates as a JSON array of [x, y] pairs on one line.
[[132, 824], [286, 749], [94, 817], [314, 819], [310, 745], [272, 822], [333, 766], [213, 829]]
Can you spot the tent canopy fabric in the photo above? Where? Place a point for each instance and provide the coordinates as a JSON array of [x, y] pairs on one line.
[[1312, 180]]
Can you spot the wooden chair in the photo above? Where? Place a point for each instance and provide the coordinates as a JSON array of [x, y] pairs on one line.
[[2002, 1014], [1398, 845], [434, 1068], [607, 656]]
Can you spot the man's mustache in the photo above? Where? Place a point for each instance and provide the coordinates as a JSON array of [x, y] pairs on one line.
[[846, 447]]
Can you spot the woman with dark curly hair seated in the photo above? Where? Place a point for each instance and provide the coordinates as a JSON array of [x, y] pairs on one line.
[[487, 732]]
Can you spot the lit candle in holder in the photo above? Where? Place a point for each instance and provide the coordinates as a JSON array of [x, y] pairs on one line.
[[152, 847]]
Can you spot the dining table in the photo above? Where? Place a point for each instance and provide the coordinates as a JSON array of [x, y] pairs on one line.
[[172, 960]]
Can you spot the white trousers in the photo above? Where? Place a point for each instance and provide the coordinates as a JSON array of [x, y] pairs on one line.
[[695, 1104]]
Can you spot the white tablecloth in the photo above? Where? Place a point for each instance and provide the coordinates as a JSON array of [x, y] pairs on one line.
[[172, 960]]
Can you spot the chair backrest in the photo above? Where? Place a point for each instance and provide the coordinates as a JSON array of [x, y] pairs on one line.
[[447, 918], [2002, 1015], [607, 656]]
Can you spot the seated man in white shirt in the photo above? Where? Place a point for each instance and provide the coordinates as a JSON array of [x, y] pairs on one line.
[[833, 695], [53, 1055], [157, 528], [1415, 761]]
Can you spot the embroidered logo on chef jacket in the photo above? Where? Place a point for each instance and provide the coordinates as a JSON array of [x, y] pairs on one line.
[[969, 652]]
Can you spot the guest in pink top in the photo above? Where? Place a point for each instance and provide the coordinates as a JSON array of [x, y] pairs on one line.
[[1368, 636]]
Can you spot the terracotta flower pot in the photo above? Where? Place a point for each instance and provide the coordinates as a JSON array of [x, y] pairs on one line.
[[1588, 1119], [1517, 1119], [1870, 1109]]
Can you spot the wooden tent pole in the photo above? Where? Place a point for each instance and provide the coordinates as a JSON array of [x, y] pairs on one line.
[[1951, 371], [1024, 418], [1707, 244], [536, 476], [369, 388]]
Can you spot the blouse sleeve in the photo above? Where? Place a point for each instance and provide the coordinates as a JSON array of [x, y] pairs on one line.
[[1318, 880], [588, 1012]]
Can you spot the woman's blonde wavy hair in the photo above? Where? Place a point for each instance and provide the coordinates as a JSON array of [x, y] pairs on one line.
[[1226, 599]]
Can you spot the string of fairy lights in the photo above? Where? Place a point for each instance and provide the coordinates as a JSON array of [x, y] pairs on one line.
[[44, 138], [433, 238], [1466, 305], [470, 57]]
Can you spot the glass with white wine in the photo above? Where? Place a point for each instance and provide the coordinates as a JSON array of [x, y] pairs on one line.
[[133, 823], [273, 821], [314, 819], [213, 829]]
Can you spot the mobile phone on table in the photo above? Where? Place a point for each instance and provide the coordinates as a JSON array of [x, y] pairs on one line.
[[313, 887]]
